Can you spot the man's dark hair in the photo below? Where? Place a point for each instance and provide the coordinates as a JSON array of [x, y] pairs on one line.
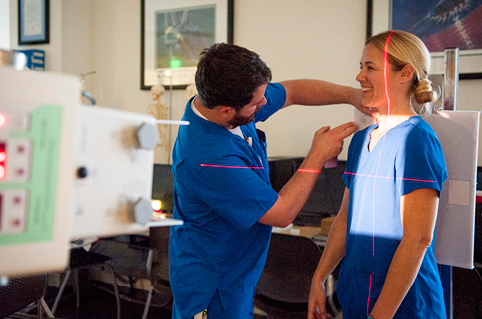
[[228, 75]]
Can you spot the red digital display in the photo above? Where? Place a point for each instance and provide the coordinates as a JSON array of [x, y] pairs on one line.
[[1, 208], [3, 160]]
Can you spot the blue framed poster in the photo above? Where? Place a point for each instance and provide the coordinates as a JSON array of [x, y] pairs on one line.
[[440, 25], [33, 22]]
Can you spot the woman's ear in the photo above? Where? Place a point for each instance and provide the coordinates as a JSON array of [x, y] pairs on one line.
[[407, 73]]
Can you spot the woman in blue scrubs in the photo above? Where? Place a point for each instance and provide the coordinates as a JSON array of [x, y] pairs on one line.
[[383, 233]]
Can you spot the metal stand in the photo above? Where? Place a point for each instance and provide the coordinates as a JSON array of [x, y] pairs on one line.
[[447, 284], [451, 85]]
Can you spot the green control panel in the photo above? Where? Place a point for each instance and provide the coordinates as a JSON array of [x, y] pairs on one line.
[[29, 155]]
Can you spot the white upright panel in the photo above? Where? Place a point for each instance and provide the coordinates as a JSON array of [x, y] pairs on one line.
[[113, 172], [38, 112], [458, 132]]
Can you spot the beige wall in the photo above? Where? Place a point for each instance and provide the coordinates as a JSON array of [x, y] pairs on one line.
[[308, 40], [4, 25], [298, 39]]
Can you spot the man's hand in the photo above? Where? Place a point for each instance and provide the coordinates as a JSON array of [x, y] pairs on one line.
[[356, 101], [327, 143]]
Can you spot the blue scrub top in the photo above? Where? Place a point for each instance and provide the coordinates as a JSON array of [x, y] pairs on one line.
[[221, 190], [407, 158]]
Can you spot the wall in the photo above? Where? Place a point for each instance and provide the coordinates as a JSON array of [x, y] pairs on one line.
[[300, 43], [117, 30], [77, 43], [309, 40], [4, 25], [305, 39]]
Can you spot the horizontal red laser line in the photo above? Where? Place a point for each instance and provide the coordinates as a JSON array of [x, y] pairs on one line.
[[223, 166], [405, 179], [306, 170]]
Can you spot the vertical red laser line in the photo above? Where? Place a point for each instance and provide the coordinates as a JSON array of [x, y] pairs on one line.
[[385, 79]]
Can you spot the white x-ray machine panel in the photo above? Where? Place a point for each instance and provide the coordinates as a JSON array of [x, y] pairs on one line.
[[114, 162], [67, 171], [458, 132], [39, 116]]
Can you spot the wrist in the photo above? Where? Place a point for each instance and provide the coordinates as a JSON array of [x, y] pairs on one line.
[[354, 96], [320, 276], [314, 160]]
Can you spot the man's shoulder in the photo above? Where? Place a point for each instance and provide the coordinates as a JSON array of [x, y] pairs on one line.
[[206, 146]]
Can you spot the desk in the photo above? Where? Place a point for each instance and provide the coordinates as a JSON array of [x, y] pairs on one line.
[[305, 231]]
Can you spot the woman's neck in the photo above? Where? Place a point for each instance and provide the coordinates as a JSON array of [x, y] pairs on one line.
[[387, 121]]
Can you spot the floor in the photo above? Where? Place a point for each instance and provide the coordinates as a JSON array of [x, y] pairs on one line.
[[467, 293], [97, 300]]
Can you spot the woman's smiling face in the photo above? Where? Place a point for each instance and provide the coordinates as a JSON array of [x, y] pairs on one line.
[[371, 77]]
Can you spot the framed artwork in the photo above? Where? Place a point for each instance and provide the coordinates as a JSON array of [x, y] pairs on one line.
[[33, 22], [440, 25], [174, 33]]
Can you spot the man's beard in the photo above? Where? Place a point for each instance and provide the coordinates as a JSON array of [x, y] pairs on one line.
[[239, 120]]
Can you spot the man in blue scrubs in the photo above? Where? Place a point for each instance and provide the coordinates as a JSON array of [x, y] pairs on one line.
[[222, 190]]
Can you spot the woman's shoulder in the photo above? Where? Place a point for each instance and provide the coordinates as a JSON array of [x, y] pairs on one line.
[[421, 136], [420, 123]]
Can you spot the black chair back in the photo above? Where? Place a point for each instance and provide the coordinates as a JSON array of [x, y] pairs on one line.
[[20, 292], [284, 286]]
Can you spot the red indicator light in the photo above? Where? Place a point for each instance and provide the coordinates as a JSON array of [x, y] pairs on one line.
[[3, 156], [3, 120], [16, 222]]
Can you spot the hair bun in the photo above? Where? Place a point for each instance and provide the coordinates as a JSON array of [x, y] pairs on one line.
[[424, 92]]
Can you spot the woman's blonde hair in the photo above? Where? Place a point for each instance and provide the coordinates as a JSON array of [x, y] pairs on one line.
[[405, 48]]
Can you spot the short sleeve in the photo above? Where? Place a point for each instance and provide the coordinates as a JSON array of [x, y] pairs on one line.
[[354, 153], [235, 191], [275, 99], [421, 163]]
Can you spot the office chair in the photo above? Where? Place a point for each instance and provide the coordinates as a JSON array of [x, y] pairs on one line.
[[21, 292], [284, 287], [158, 267], [80, 258]]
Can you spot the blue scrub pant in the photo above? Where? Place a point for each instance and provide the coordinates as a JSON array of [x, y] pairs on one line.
[[215, 310]]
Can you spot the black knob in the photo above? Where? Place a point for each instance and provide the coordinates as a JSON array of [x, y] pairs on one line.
[[82, 172]]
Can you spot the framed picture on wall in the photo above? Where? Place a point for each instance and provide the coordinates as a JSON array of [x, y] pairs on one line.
[[174, 33], [440, 25], [33, 22]]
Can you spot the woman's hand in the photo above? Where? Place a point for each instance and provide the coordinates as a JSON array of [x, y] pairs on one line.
[[317, 301]]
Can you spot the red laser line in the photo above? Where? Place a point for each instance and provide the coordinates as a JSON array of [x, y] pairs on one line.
[[225, 166], [369, 293], [387, 177], [385, 72], [385, 78], [306, 170]]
